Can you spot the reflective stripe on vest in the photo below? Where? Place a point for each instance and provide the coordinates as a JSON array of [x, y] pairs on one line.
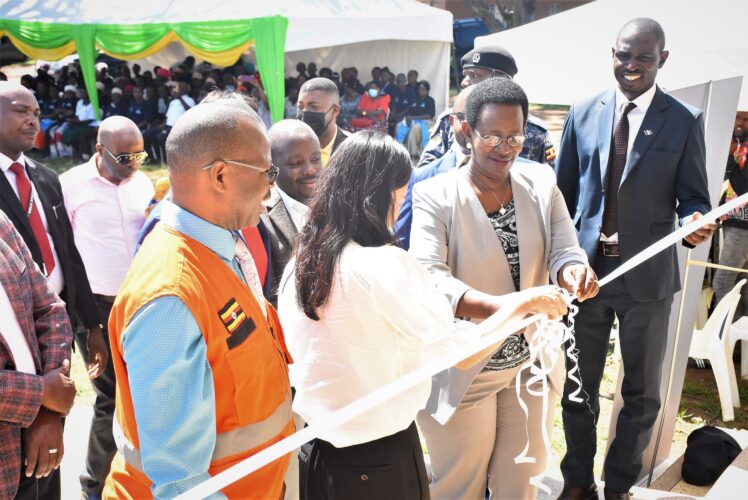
[[227, 443]]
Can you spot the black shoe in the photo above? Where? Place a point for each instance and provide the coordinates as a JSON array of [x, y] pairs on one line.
[[579, 493], [614, 495]]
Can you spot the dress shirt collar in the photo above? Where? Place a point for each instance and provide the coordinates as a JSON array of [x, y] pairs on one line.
[[460, 155], [6, 162], [327, 150], [642, 102], [219, 240], [295, 209]]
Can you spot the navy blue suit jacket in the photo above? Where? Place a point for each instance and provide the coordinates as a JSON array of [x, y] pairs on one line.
[[405, 217], [665, 175]]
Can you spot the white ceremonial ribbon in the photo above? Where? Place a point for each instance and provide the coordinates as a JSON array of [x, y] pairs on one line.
[[375, 398], [545, 343], [675, 237], [501, 327], [548, 336]]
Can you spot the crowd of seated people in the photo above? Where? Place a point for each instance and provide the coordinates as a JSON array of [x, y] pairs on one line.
[[396, 103], [155, 99]]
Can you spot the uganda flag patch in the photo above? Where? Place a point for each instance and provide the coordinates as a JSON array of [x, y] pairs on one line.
[[239, 325], [550, 153]]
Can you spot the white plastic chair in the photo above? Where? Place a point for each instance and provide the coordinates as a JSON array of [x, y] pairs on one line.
[[712, 342], [739, 331]]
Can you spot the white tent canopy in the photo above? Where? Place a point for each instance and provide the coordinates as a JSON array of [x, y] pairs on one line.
[[567, 56], [400, 34]]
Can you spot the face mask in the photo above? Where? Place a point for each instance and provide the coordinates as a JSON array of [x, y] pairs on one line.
[[373, 93], [315, 119]]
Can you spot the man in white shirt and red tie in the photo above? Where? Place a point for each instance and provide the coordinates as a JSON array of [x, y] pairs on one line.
[[106, 199], [31, 197]]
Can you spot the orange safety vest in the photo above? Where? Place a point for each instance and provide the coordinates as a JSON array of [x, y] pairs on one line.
[[246, 352]]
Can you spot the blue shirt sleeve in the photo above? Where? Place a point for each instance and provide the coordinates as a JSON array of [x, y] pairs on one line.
[[172, 394], [405, 218]]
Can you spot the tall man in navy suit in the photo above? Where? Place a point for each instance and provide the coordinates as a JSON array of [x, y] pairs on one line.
[[630, 160]]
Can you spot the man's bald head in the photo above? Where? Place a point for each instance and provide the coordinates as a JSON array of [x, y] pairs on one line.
[[458, 115], [285, 132], [207, 132], [459, 104], [118, 144], [231, 97], [19, 119], [114, 127], [7, 88], [644, 25], [219, 162]]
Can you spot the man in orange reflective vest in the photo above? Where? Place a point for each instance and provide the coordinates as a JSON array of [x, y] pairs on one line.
[[199, 355]]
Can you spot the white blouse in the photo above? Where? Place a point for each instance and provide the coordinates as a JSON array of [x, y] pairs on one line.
[[384, 318]]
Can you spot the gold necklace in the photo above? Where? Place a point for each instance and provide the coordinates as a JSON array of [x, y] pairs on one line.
[[502, 211]]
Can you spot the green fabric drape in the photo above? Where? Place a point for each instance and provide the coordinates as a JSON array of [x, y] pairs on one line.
[[270, 48], [129, 38], [220, 42], [84, 37]]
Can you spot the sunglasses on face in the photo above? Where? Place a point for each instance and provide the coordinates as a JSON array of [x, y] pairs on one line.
[[126, 158], [271, 172]]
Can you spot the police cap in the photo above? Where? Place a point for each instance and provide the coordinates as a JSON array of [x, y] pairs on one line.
[[490, 57]]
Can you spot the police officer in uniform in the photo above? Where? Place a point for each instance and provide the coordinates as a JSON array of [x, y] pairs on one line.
[[478, 65]]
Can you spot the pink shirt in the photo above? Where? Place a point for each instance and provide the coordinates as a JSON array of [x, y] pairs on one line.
[[106, 218]]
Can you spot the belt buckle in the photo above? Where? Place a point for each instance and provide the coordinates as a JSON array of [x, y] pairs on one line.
[[610, 250]]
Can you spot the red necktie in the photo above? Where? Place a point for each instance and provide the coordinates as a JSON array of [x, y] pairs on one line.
[[35, 219]]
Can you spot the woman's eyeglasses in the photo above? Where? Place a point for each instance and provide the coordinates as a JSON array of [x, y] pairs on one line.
[[493, 141]]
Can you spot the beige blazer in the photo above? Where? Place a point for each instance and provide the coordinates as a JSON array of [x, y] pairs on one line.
[[453, 238]]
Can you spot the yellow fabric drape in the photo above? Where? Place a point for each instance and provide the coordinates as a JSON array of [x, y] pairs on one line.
[[51, 54], [224, 58]]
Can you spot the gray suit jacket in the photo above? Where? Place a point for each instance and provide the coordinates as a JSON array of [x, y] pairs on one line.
[[453, 238], [282, 238]]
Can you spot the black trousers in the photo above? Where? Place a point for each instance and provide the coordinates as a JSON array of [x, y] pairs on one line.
[[643, 338], [389, 468], [101, 445]]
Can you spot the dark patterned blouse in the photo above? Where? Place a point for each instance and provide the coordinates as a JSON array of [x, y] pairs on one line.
[[514, 351]]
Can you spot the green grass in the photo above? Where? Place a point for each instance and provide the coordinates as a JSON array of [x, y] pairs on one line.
[[555, 107], [79, 373], [62, 165], [702, 397]]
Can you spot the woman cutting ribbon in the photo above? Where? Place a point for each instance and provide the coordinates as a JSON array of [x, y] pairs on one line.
[[489, 228], [359, 313]]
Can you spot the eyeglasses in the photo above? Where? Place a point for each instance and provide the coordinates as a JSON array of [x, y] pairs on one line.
[[493, 141], [125, 158], [459, 115], [272, 172], [472, 74]]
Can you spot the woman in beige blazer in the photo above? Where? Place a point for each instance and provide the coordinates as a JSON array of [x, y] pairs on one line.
[[489, 228]]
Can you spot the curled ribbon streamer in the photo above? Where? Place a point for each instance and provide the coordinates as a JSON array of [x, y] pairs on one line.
[[374, 398], [545, 345]]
